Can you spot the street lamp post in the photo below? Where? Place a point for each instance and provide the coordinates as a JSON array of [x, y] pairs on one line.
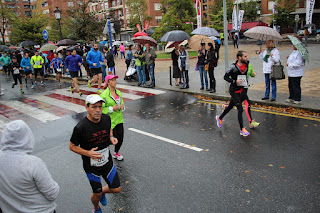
[[57, 13], [296, 18], [259, 13]]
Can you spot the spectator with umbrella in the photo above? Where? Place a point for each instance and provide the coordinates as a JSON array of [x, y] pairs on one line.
[[151, 56], [295, 67], [202, 55], [184, 66], [139, 55], [212, 62]]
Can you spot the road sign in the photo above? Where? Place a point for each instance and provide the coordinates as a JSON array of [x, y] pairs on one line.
[[45, 34]]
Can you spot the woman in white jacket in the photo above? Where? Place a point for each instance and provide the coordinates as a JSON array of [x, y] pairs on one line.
[[295, 68], [270, 57], [183, 63]]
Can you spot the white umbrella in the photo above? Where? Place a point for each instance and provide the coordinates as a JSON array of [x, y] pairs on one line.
[[213, 38], [263, 33], [208, 31], [61, 47], [170, 47]]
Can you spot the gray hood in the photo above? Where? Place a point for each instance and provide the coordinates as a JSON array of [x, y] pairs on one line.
[[17, 136]]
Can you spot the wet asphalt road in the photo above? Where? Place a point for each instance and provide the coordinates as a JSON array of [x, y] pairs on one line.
[[275, 169]]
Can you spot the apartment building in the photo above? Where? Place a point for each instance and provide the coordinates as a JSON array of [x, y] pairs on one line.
[[20, 8], [117, 8]]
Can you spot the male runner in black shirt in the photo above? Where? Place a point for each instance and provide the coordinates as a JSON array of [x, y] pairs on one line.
[[91, 138]]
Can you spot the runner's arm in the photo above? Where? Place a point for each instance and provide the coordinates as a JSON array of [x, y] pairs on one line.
[[89, 153], [113, 140]]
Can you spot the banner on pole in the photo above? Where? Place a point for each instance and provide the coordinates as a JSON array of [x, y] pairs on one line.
[[234, 18], [309, 12], [146, 25], [139, 27], [274, 11], [241, 13], [198, 8]]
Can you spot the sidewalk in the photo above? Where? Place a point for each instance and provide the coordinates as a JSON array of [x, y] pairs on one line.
[[310, 82]]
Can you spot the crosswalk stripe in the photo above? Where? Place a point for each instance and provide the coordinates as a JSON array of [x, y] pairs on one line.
[[3, 122], [148, 90], [32, 111], [124, 95], [63, 104], [72, 95], [67, 98]]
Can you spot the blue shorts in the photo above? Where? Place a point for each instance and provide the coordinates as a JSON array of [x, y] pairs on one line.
[[111, 69], [110, 176]]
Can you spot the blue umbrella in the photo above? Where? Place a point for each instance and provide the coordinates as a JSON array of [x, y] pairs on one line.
[[208, 31], [103, 42]]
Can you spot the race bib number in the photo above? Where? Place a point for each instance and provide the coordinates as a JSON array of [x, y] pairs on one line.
[[243, 79], [16, 71], [102, 161], [37, 63], [59, 69]]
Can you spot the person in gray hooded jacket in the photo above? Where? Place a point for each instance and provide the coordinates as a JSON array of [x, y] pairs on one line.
[[25, 182]]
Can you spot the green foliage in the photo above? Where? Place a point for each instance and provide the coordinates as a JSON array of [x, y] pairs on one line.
[[6, 16], [283, 18], [28, 28], [175, 16], [138, 10], [53, 30], [250, 10], [217, 14], [83, 25]]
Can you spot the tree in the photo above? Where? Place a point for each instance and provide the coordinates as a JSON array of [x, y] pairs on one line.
[[28, 28], [138, 12], [283, 16], [53, 29], [176, 16], [217, 13], [83, 24], [250, 10], [6, 16]]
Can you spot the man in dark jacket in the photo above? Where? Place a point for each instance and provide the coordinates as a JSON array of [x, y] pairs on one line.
[[110, 62], [236, 75]]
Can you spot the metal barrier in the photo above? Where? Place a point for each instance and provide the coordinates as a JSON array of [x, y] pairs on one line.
[[170, 79]]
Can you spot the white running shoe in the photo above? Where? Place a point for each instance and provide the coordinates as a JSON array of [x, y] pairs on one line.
[[117, 156]]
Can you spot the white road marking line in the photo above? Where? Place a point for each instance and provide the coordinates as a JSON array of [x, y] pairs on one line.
[[59, 103], [141, 89], [167, 140], [124, 95], [34, 112], [3, 122], [69, 94]]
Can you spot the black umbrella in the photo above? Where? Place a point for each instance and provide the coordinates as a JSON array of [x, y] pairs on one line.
[[309, 25], [27, 43], [3, 48], [66, 42], [150, 32], [233, 31], [175, 35]]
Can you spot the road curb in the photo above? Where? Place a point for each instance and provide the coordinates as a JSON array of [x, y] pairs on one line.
[[224, 97]]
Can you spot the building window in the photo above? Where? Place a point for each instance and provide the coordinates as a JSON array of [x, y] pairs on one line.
[[119, 13], [205, 15], [25, 1], [205, 1], [118, 2], [46, 12], [205, 7], [113, 3], [44, 4], [102, 6], [70, 4], [158, 19], [157, 6], [270, 5]]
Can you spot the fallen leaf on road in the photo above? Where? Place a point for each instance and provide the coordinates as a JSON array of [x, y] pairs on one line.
[[186, 122], [247, 171], [247, 190], [214, 140], [265, 176], [315, 125], [305, 125], [192, 145], [271, 165], [120, 209], [207, 150], [203, 129], [231, 151], [224, 136], [282, 167], [127, 182], [266, 198], [173, 186]]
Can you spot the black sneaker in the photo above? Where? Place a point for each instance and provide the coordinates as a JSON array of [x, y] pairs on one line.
[[201, 88], [264, 98], [12, 85], [272, 99]]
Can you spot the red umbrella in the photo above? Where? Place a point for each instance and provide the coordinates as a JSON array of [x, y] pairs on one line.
[[140, 34], [145, 40], [50, 42]]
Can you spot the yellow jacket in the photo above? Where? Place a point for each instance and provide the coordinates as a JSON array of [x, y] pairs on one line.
[[35, 61]]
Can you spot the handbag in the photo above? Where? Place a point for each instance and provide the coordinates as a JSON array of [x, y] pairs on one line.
[[206, 67], [277, 72]]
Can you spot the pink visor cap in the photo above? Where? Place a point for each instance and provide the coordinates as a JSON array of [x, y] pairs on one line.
[[111, 77]]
